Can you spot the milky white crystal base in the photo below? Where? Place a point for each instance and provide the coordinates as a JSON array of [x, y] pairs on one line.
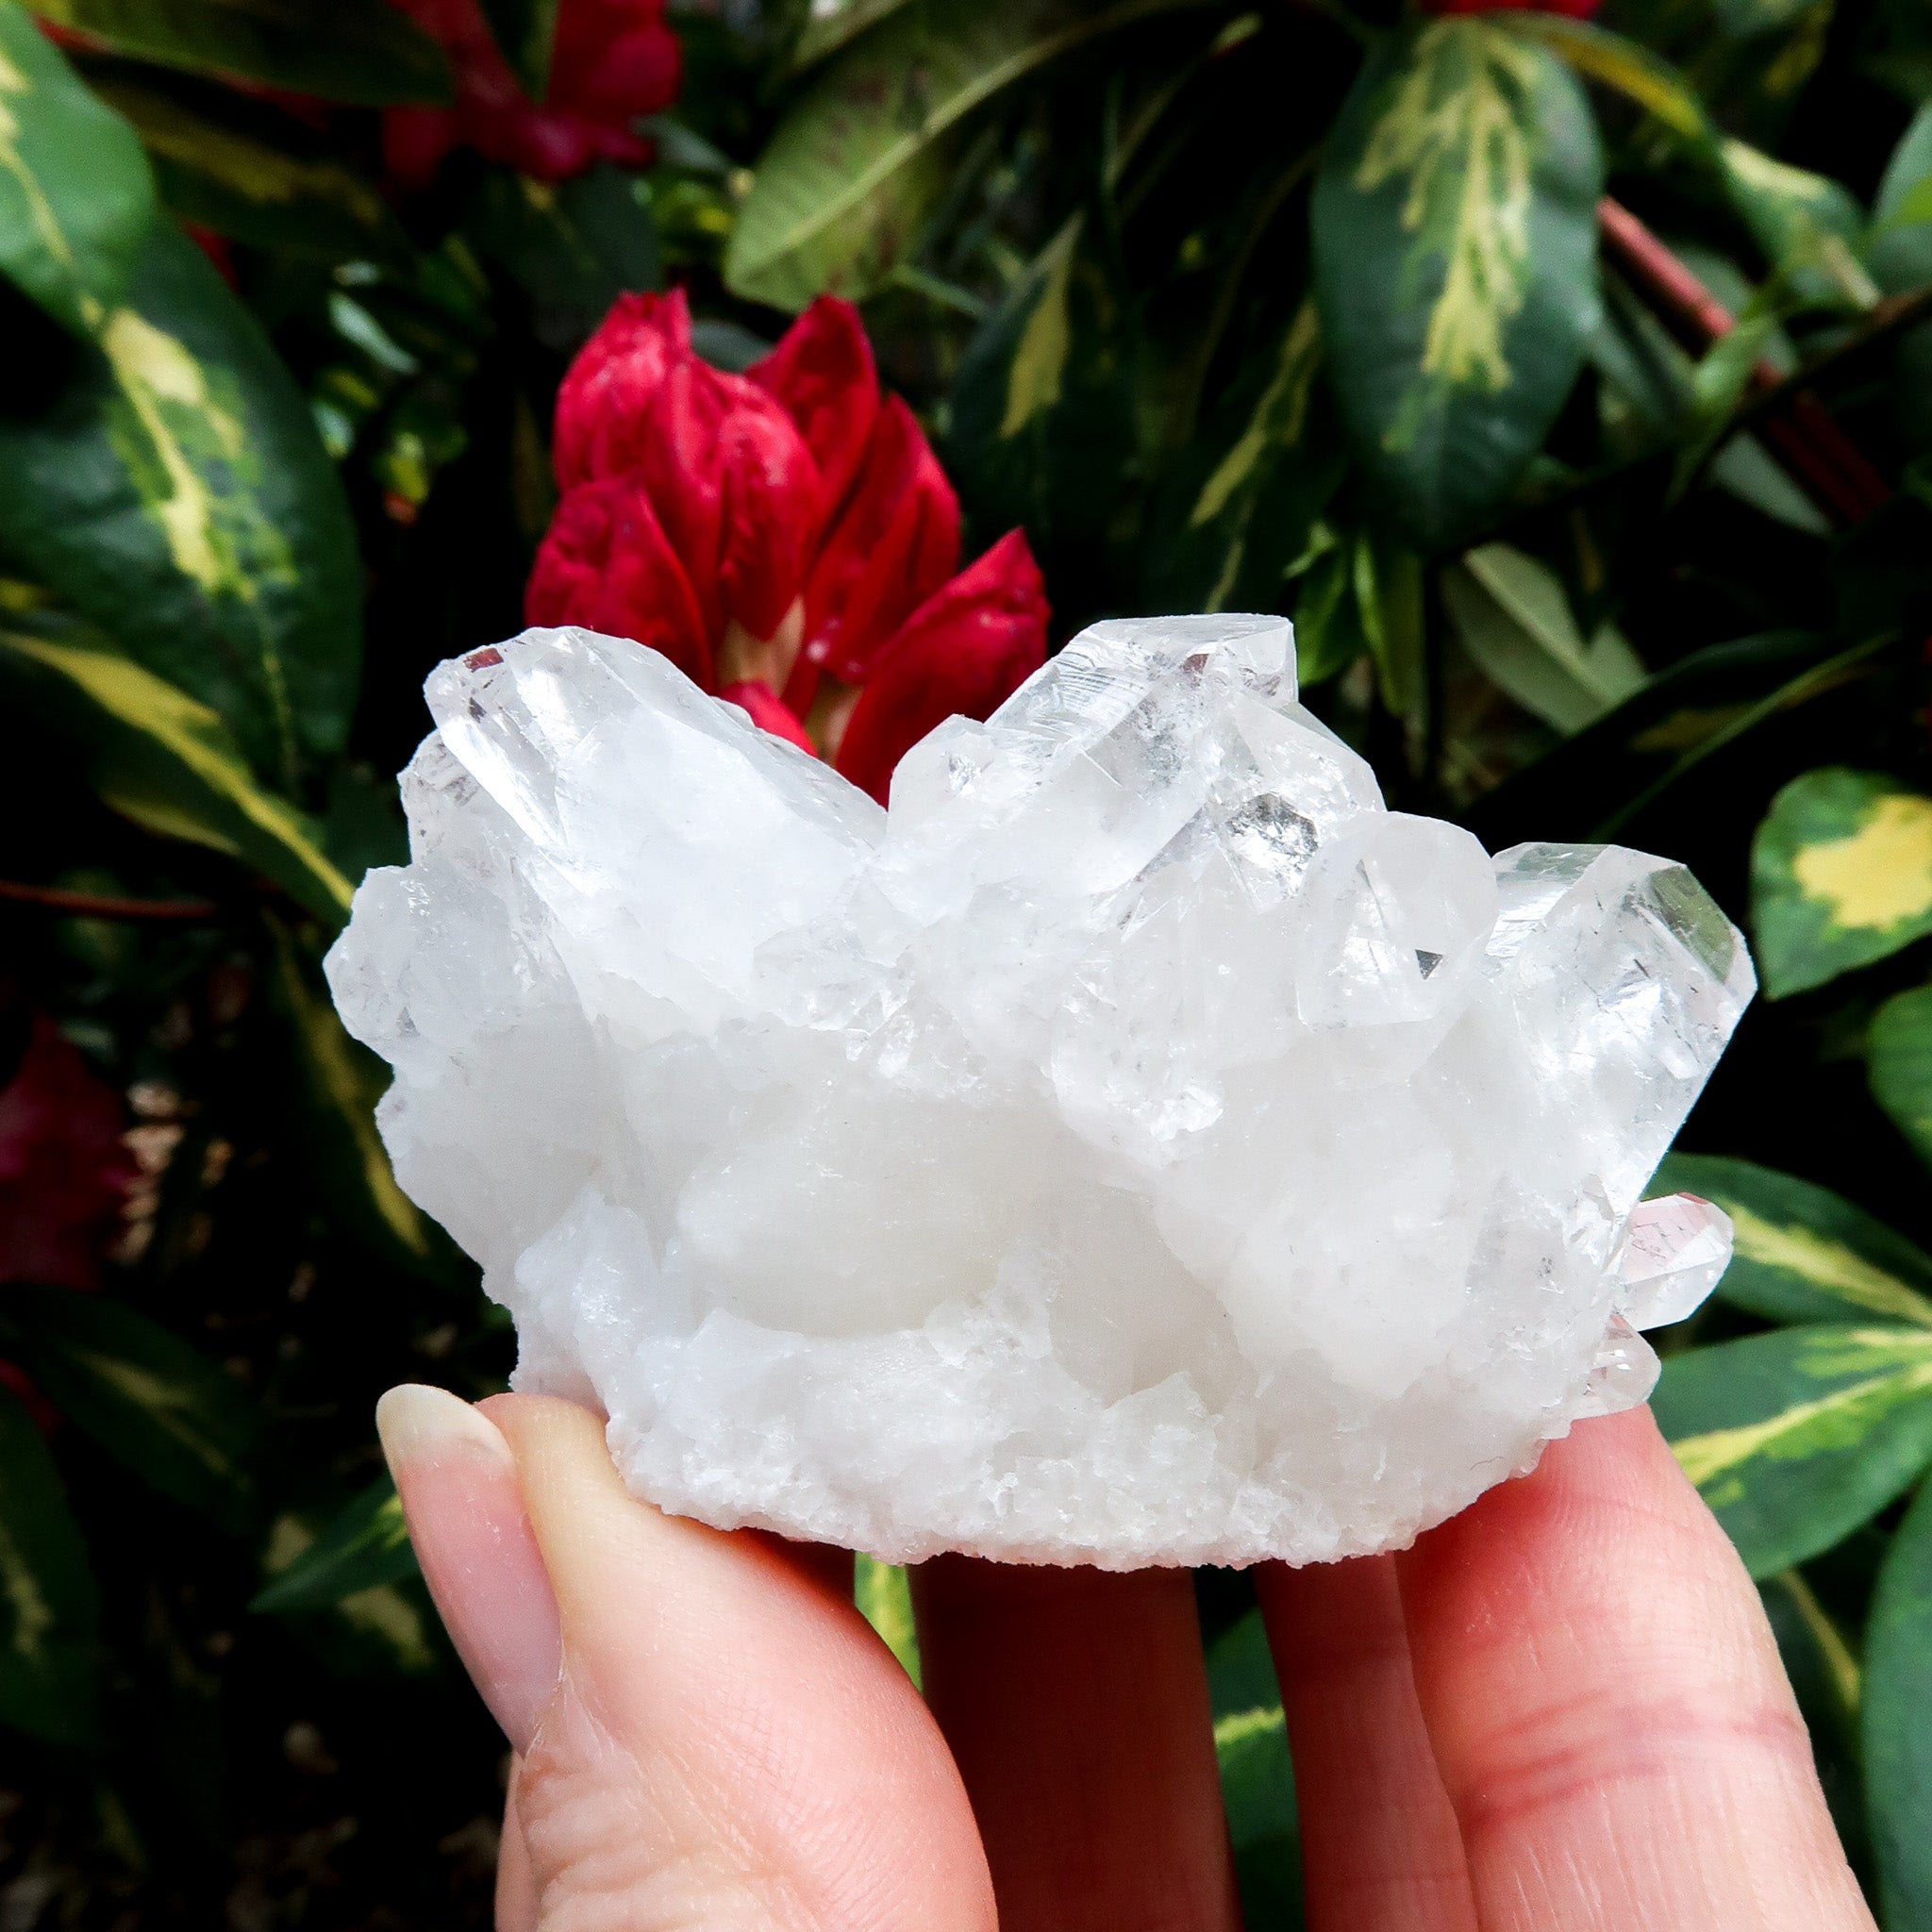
[[1141, 1147]]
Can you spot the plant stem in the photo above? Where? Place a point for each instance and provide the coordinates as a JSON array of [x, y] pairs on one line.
[[1833, 469], [97, 905]]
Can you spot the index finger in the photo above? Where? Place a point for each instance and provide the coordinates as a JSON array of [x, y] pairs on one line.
[[1608, 1708]]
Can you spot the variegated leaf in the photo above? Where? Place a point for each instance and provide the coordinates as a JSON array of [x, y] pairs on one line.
[[168, 763], [1840, 876], [860, 159], [1803, 1253], [1455, 244], [1796, 1438], [365, 1547], [1239, 510], [77, 200], [1898, 1061], [176, 494], [177, 1421], [49, 1607], [1898, 1740]]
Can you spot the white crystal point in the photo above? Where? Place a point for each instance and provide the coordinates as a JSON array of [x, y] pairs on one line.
[[1678, 1247], [1139, 1146]]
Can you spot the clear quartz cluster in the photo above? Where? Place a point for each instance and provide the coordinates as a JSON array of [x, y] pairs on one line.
[[1141, 1147]]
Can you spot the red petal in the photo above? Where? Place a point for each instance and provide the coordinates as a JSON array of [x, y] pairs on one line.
[[414, 140], [895, 544], [768, 713], [736, 492], [965, 650], [771, 515], [613, 76], [63, 1170], [606, 396], [605, 564], [821, 371]]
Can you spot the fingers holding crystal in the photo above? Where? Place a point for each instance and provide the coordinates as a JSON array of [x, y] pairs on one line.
[[1076, 1703], [1607, 1709], [729, 1742], [457, 1481], [1381, 1847]]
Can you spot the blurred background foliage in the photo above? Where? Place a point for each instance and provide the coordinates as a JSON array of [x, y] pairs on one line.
[[1568, 380]]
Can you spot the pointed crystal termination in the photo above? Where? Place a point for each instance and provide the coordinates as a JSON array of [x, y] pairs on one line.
[[1677, 1248], [1137, 1146]]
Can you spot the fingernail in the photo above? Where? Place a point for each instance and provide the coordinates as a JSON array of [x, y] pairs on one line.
[[465, 1505], [419, 1424]]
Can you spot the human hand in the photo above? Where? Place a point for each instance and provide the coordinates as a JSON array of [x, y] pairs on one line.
[[1562, 1710]]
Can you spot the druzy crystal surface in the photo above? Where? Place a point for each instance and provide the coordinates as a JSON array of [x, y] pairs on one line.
[[1140, 1146]]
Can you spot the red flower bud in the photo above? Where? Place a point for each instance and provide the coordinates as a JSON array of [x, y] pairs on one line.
[[63, 1170], [606, 565], [767, 713], [821, 371], [611, 61], [965, 650], [735, 490], [894, 544], [603, 403], [727, 520]]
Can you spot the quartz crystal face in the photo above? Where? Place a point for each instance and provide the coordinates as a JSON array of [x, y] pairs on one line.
[[1139, 1146]]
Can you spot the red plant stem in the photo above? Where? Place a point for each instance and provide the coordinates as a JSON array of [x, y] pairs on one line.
[[96, 906], [1830, 465]]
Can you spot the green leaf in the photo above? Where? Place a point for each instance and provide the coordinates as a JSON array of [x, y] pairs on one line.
[[1898, 1062], [77, 200], [1624, 65], [1898, 1740], [1822, 1664], [49, 1608], [1840, 876], [365, 1547], [1740, 20], [1455, 247], [1240, 508], [222, 179], [1817, 1658], [1041, 416], [1256, 1777], [1329, 634], [884, 1596], [1796, 1438], [1808, 226], [362, 52], [176, 494], [1803, 1254], [574, 246], [1744, 468], [340, 1083], [168, 763], [159, 1408], [524, 30], [1389, 594], [861, 159], [1900, 252], [831, 23], [1514, 619]]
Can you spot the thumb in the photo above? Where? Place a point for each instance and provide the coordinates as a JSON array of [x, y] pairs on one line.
[[726, 1741]]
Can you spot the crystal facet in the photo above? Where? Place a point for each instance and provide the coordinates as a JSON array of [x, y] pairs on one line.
[[1138, 1147]]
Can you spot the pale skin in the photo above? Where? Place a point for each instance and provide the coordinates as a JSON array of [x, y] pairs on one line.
[[1561, 1711]]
